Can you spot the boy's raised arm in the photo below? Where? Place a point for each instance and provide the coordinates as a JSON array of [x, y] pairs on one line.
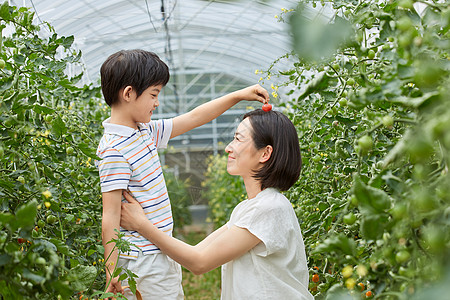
[[110, 221], [214, 108]]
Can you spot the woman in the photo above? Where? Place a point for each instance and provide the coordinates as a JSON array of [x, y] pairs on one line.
[[261, 247]]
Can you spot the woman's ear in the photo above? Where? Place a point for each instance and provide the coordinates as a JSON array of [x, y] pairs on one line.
[[267, 153], [127, 93]]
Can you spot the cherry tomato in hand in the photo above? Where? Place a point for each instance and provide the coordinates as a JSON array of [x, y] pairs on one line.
[[267, 107]]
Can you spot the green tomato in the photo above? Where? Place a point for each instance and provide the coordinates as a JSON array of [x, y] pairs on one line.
[[2, 64], [70, 150], [399, 211], [433, 236], [2, 151], [48, 118], [21, 179], [350, 218], [407, 4], [316, 158], [404, 24], [336, 66], [51, 219], [333, 111], [40, 261], [343, 102], [406, 272], [404, 40], [41, 223], [388, 121], [365, 143], [402, 256], [371, 54], [350, 81]]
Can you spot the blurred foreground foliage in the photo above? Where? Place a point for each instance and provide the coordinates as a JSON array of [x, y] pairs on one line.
[[368, 92]]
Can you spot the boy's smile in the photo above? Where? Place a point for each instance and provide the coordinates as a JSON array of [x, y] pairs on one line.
[[144, 105]]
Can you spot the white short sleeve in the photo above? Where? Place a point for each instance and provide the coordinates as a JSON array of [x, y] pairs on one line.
[[161, 131], [114, 170], [266, 219]]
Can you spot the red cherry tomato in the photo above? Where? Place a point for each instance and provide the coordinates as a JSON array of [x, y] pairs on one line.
[[267, 107]]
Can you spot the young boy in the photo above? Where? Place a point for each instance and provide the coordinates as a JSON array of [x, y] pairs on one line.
[[131, 82]]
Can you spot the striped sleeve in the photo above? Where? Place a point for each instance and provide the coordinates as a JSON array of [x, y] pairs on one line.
[[114, 170], [161, 131]]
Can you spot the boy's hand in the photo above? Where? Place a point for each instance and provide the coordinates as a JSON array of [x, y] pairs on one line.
[[132, 215], [254, 93]]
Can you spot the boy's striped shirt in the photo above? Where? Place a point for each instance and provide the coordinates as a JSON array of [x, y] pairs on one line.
[[129, 160]]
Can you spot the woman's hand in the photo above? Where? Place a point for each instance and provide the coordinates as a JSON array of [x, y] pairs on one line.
[[132, 215]]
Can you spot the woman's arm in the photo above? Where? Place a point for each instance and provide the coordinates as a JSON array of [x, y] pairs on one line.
[[220, 247], [211, 237]]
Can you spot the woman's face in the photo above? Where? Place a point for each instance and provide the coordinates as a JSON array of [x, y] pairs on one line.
[[243, 157]]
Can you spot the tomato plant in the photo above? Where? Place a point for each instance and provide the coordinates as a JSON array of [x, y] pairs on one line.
[[50, 199], [43, 114], [368, 94]]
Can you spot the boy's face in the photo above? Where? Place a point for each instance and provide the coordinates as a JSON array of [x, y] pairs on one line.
[[145, 104]]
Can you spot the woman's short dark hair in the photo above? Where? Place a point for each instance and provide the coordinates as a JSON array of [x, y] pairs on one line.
[[137, 68], [273, 128]]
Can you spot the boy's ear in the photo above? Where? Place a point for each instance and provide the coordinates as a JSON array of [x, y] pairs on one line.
[[267, 153], [127, 93]]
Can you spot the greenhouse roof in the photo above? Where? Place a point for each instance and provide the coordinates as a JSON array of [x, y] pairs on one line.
[[232, 37], [211, 47]]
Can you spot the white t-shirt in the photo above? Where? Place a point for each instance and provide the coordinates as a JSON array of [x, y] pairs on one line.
[[276, 268]]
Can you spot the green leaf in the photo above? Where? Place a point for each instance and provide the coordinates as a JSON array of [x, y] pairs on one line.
[[117, 272], [314, 40], [61, 246], [5, 218], [4, 11], [42, 109], [372, 226], [370, 199], [418, 101], [5, 259], [319, 83], [37, 279], [81, 277], [67, 84], [67, 41], [26, 215], [337, 243], [88, 150], [123, 276], [58, 126]]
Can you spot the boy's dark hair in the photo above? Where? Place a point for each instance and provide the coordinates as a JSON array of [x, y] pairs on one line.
[[283, 168], [137, 68]]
